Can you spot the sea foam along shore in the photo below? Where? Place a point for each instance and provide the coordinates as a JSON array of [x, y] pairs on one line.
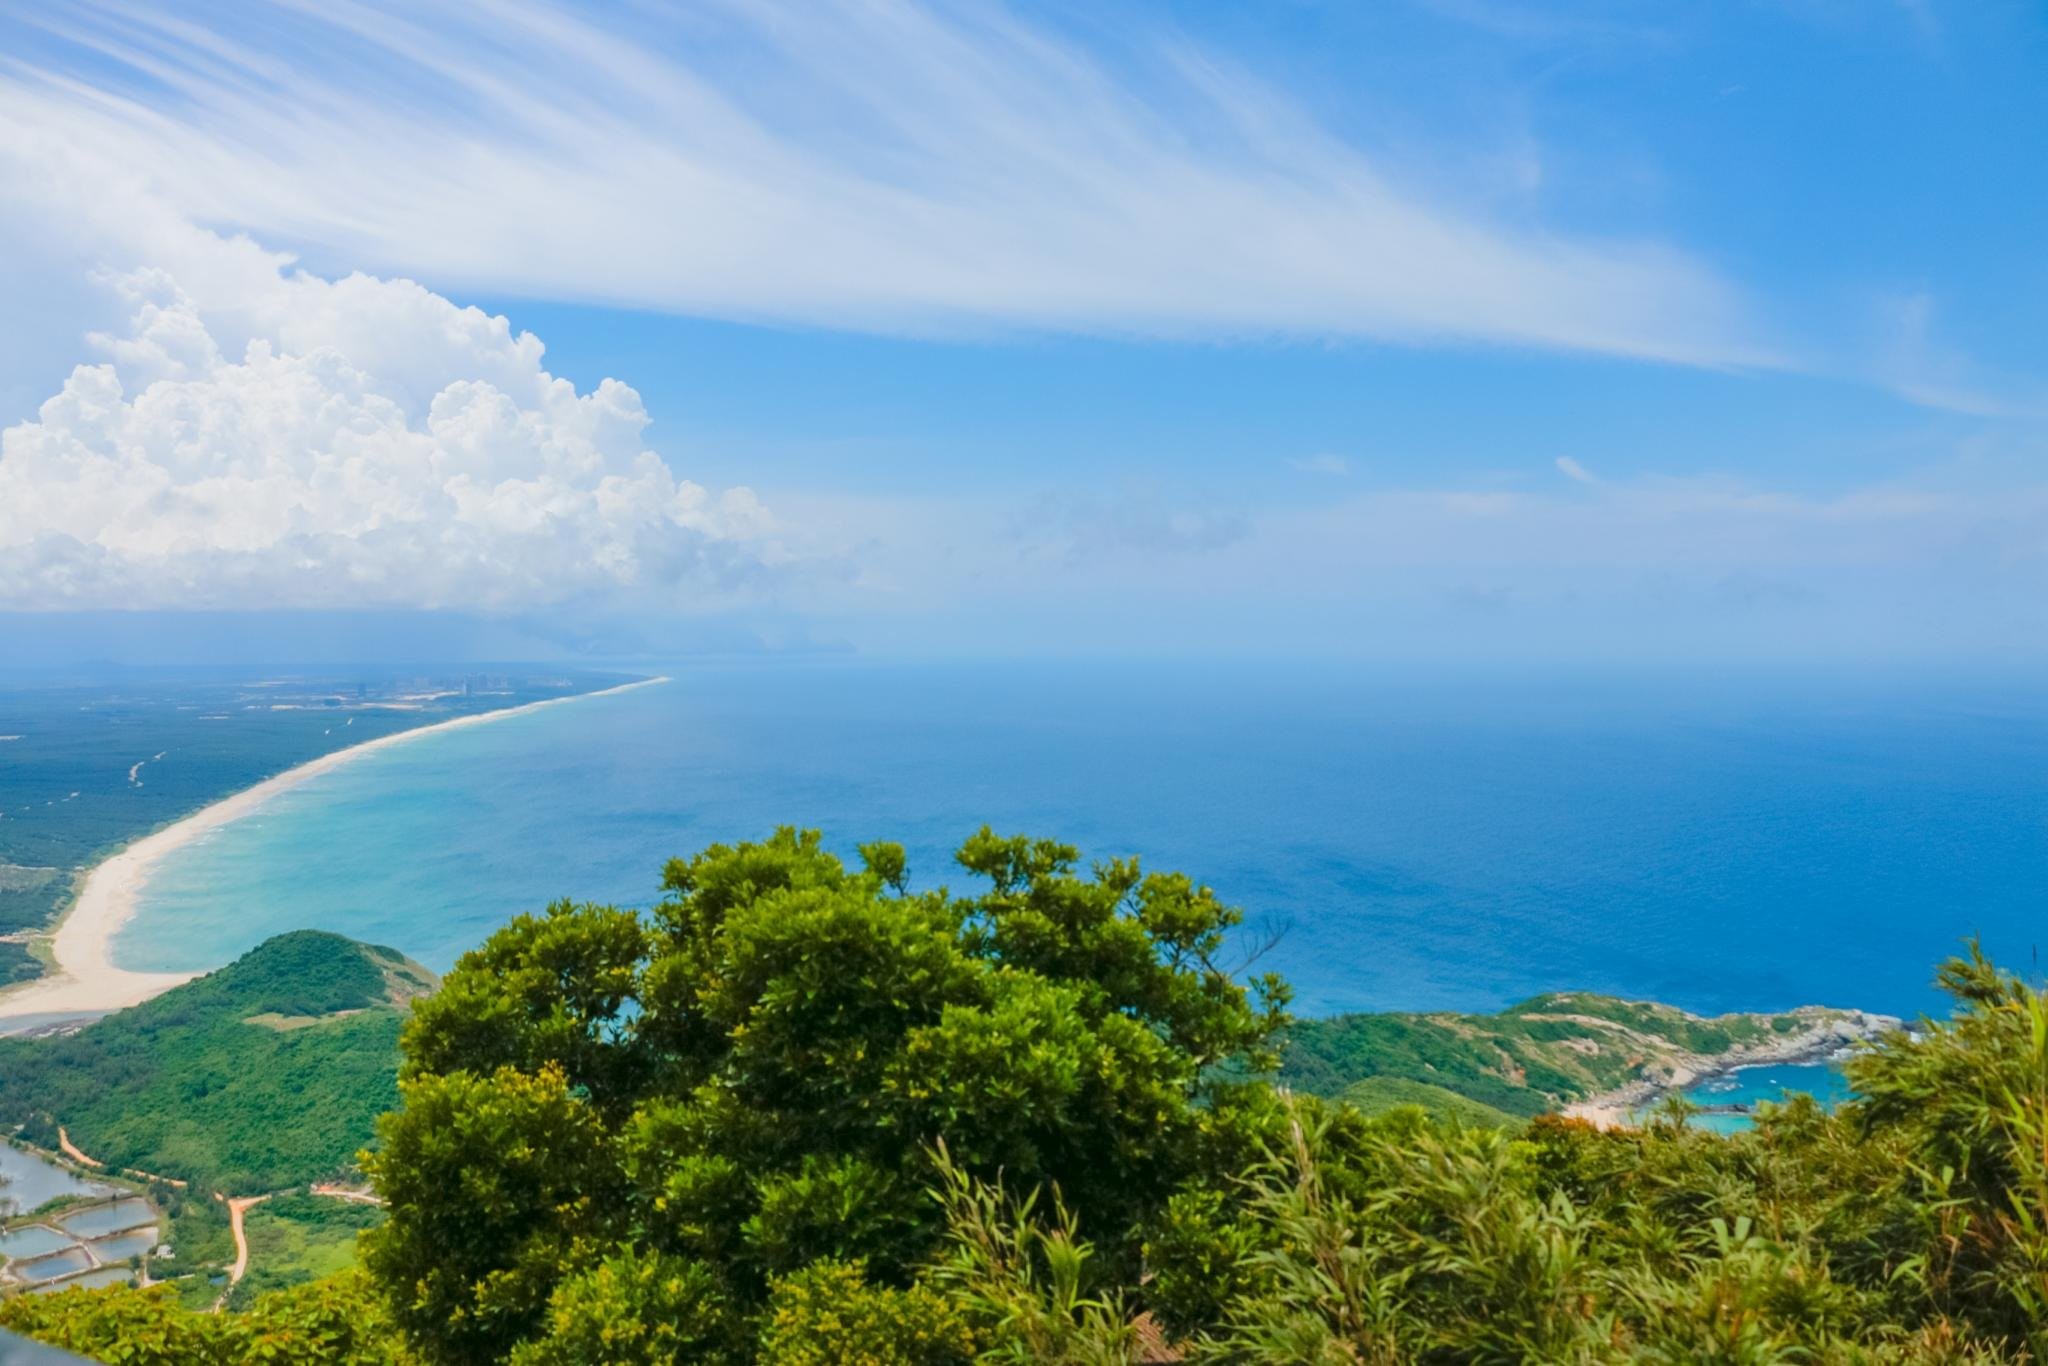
[[1825, 1036], [85, 981]]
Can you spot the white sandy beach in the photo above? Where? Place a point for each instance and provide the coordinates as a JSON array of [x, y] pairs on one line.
[[84, 980]]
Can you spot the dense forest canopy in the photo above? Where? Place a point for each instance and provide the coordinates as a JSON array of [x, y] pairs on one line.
[[798, 1113]]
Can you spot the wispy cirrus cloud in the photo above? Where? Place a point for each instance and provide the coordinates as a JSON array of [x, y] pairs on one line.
[[928, 168], [1924, 368], [1575, 471]]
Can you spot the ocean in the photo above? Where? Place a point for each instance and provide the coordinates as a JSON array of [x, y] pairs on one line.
[[1715, 842]]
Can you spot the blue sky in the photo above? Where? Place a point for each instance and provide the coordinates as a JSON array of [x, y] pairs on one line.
[[1432, 329]]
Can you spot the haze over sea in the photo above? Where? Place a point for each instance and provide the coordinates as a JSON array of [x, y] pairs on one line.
[[1709, 842]]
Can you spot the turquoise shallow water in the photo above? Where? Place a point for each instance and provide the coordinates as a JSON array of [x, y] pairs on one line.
[[1710, 843], [1751, 1085]]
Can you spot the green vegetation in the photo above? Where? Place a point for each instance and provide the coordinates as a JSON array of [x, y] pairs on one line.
[[185, 1086], [335, 1322], [295, 1238], [1910, 1227], [1531, 1058], [18, 962], [26, 895], [14, 878], [198, 1230], [797, 1115], [1377, 1095], [751, 1078]]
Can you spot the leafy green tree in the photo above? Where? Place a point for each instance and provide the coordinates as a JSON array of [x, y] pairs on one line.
[[502, 1179], [828, 1314], [750, 1079], [638, 1310]]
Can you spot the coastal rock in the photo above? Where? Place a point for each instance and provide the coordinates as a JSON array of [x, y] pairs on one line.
[[1819, 1034]]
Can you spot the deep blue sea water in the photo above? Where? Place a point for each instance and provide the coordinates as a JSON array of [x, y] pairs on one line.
[[1720, 844]]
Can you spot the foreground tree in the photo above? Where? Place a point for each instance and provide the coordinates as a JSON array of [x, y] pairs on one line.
[[641, 1126], [339, 1321]]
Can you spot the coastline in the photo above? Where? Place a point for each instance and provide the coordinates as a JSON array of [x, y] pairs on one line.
[[1832, 1036], [83, 980]]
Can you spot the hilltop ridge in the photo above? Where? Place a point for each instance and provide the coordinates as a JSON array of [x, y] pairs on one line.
[[267, 1073]]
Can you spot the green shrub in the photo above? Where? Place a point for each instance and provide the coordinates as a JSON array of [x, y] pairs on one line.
[[336, 1322], [635, 1310], [829, 1315]]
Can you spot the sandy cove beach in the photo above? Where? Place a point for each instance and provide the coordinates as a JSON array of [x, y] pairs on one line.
[[1834, 1035], [84, 981]]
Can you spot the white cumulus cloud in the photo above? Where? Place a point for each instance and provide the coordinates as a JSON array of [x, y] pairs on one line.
[[299, 442]]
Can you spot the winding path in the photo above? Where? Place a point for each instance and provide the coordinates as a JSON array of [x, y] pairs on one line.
[[236, 1209], [71, 1150], [237, 1206]]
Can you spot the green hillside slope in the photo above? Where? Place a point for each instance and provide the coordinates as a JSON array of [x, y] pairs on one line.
[[1377, 1095], [268, 1073]]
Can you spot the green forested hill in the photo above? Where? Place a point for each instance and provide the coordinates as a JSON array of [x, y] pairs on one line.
[[267, 1073]]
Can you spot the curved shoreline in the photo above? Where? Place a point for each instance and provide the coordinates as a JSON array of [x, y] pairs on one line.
[[1830, 1039], [83, 979]]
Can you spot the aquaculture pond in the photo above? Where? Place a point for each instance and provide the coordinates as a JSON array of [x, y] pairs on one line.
[[114, 1218], [82, 1247], [31, 1240], [56, 1264], [122, 1246], [106, 1275], [29, 1181]]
